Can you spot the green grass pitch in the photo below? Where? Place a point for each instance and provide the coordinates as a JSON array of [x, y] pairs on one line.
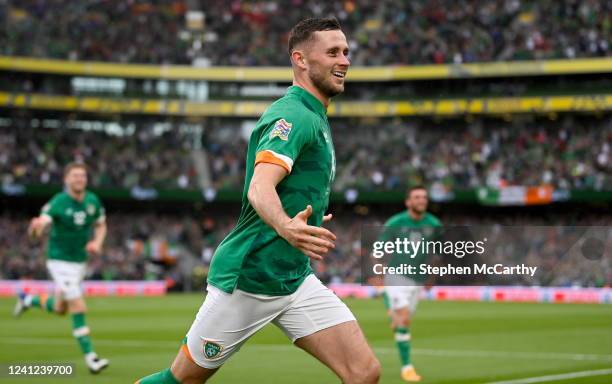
[[453, 342]]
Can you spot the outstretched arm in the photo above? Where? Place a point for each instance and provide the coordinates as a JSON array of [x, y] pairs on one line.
[[313, 241]]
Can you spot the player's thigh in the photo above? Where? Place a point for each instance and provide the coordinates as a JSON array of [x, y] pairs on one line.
[[225, 322], [76, 305], [320, 323], [60, 305]]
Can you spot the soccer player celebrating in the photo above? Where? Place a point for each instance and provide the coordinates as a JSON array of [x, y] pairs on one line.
[[261, 271], [402, 293], [71, 215]]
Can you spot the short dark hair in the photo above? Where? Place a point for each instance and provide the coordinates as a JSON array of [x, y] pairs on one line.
[[415, 188], [74, 165], [304, 29]]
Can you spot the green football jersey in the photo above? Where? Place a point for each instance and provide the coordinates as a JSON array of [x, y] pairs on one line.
[[402, 225], [293, 133], [72, 225]]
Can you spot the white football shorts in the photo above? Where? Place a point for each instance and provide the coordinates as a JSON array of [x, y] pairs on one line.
[[67, 277], [402, 293], [226, 321]]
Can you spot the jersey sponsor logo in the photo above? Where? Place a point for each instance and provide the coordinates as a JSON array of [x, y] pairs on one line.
[[212, 350], [282, 129], [91, 209]]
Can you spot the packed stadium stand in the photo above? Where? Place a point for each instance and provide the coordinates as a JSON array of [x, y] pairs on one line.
[[385, 32], [571, 153]]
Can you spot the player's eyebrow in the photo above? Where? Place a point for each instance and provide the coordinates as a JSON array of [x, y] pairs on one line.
[[337, 48]]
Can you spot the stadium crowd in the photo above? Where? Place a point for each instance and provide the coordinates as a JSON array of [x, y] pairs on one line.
[[254, 33], [118, 31], [155, 246], [144, 159], [567, 153]]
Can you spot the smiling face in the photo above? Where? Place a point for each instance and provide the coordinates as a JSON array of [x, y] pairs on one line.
[[327, 62], [76, 180], [417, 201]]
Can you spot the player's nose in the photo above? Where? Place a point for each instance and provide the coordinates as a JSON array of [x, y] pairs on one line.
[[344, 61]]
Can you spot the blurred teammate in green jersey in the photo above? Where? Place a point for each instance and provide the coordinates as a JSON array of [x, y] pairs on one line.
[[402, 293], [72, 215]]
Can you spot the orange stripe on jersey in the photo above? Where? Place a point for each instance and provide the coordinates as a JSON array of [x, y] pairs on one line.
[[43, 300], [267, 157], [186, 351]]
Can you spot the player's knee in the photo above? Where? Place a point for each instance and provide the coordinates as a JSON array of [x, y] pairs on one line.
[[406, 322], [368, 373], [60, 308], [77, 306], [405, 319], [373, 371], [402, 322]]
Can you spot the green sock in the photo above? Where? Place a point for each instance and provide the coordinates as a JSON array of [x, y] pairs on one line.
[[35, 301], [41, 301], [402, 337], [80, 331], [402, 340], [50, 304], [386, 301], [162, 377]]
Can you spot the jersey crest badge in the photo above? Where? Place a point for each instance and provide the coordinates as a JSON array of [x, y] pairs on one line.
[[211, 349], [282, 129]]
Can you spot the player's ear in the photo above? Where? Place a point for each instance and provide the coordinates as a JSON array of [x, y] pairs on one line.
[[298, 58]]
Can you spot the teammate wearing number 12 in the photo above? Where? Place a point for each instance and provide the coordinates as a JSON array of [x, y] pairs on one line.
[[71, 214]]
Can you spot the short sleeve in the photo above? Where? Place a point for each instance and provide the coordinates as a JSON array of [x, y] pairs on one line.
[[388, 231], [100, 215], [49, 209], [282, 142]]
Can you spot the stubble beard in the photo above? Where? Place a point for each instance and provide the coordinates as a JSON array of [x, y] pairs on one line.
[[323, 84]]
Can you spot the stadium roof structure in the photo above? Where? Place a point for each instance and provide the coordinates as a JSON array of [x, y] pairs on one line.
[[246, 108], [283, 74]]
